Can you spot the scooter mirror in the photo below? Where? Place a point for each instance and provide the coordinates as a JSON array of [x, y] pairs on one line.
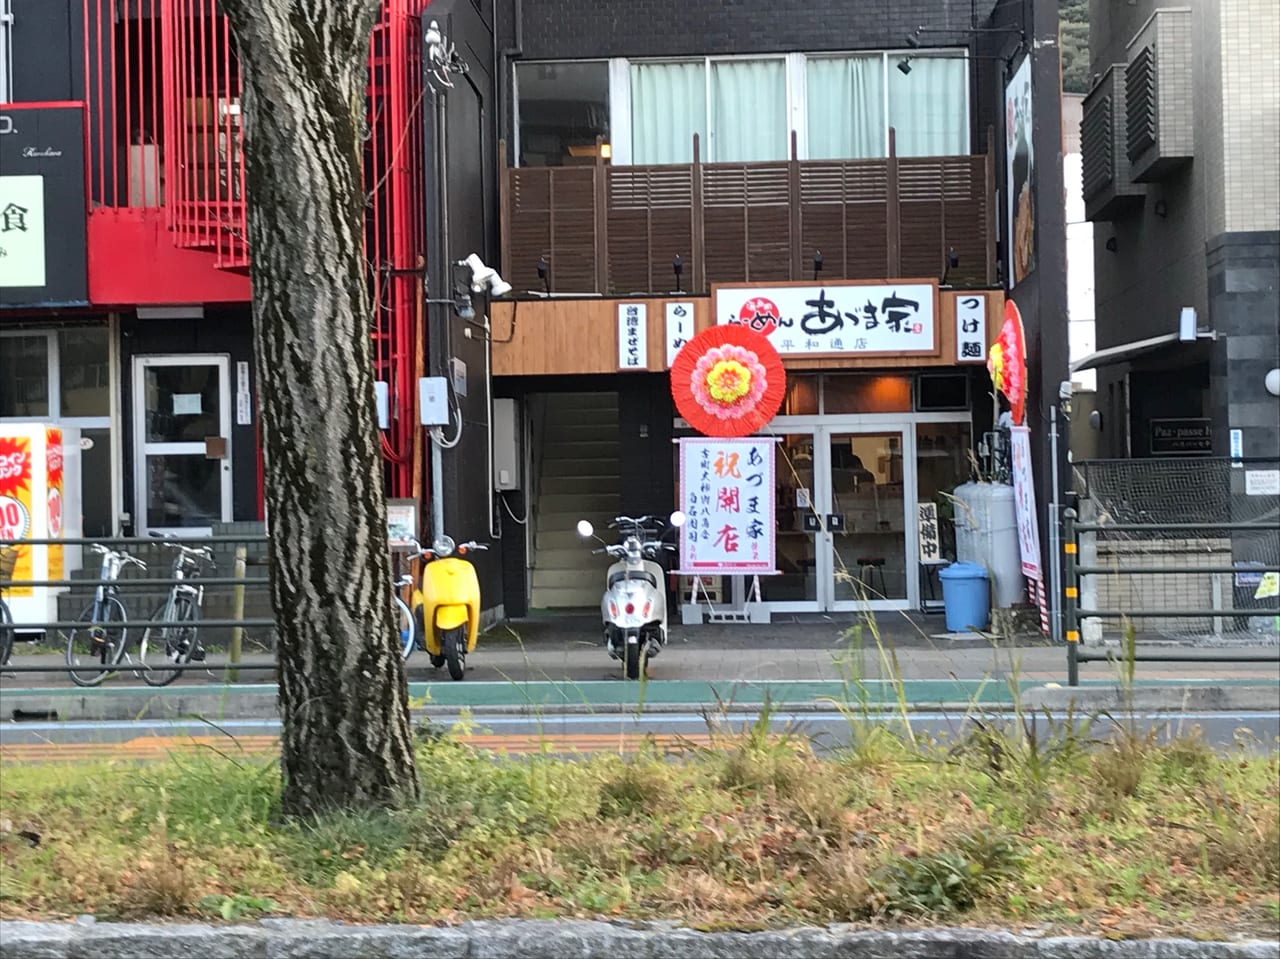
[[585, 529], [678, 518]]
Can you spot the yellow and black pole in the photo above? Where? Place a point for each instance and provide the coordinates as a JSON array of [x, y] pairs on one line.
[[1071, 596]]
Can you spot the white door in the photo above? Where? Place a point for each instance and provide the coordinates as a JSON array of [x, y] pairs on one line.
[[865, 506], [182, 444]]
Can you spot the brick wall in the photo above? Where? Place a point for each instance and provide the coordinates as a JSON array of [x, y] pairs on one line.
[[1250, 116]]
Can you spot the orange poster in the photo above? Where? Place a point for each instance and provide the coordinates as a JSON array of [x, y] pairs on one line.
[[53, 484], [15, 502]]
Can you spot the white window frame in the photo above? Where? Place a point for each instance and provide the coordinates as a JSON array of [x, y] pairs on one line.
[[797, 93], [54, 414], [6, 52]]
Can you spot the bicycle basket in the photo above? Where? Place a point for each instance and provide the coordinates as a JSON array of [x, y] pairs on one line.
[[8, 560]]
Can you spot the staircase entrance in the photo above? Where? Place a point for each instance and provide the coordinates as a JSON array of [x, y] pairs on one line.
[[576, 453]]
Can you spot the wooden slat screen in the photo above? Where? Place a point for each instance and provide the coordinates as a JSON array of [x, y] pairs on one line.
[[615, 230]]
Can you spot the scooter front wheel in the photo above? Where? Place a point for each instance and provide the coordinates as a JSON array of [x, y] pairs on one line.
[[634, 657], [454, 645]]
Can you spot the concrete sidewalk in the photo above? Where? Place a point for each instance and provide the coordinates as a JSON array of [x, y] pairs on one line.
[[568, 648]]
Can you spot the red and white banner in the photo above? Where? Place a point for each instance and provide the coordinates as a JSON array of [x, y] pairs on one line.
[[727, 494]]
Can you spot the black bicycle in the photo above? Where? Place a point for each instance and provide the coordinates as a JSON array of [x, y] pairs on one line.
[[8, 560], [176, 640], [101, 638]]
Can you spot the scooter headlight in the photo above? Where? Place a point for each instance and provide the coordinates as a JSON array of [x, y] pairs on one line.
[[443, 547]]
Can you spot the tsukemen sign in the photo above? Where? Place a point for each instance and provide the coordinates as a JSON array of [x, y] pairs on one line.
[[727, 492], [892, 318], [1181, 437]]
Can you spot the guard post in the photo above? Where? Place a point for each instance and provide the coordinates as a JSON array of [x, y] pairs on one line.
[[1071, 596]]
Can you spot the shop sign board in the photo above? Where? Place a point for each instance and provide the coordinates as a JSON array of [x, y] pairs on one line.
[[971, 329], [1024, 499], [844, 319], [16, 485], [679, 328], [927, 534], [633, 343], [1181, 437], [727, 494]]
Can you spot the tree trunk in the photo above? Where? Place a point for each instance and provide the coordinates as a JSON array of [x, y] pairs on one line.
[[347, 741]]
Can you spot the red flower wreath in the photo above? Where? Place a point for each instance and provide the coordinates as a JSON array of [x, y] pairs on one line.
[[728, 381]]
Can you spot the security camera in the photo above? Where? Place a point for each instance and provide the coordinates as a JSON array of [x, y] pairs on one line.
[[483, 276]]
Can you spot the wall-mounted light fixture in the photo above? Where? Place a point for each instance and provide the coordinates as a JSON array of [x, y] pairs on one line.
[[1273, 382], [953, 261], [544, 274], [1112, 244], [817, 264], [677, 267], [904, 66]]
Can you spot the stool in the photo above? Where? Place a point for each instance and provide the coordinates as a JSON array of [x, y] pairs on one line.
[[929, 575], [869, 567]]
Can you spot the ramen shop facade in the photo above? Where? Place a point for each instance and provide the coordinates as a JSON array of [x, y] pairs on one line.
[[828, 173], [885, 396]]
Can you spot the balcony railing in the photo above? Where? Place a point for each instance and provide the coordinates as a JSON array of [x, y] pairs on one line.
[[616, 230]]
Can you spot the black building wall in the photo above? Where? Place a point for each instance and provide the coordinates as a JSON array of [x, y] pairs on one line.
[[48, 63], [226, 331], [461, 191]]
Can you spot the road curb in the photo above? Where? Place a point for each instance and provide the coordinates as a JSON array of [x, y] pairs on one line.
[[260, 701], [565, 939]]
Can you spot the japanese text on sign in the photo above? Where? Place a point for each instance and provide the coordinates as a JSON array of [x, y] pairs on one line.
[[727, 494], [927, 528], [892, 318], [633, 348], [1024, 500], [971, 329], [679, 328]]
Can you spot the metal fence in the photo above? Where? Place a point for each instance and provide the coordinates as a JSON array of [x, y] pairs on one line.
[[1184, 551], [235, 616]]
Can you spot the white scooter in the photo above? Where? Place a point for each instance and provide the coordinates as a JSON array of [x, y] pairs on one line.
[[634, 606]]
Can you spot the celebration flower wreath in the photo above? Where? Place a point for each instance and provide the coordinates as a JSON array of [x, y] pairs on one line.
[[728, 381]]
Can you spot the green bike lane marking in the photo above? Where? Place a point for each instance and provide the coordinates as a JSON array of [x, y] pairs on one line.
[[617, 692]]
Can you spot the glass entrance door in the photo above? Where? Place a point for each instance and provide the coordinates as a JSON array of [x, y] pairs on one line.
[[182, 440], [843, 498], [866, 519]]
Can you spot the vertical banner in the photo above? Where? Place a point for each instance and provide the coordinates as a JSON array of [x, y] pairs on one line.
[[1024, 499], [1020, 172], [633, 337], [971, 329], [15, 502], [53, 490], [22, 241], [679, 329], [727, 493]]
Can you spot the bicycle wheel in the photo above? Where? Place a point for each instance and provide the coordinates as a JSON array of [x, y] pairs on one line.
[[404, 625], [97, 642], [6, 633], [170, 644]]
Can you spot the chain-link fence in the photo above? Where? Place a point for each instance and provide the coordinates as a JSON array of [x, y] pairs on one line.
[[1191, 533]]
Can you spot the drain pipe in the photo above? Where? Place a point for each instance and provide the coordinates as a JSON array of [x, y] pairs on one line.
[[504, 65]]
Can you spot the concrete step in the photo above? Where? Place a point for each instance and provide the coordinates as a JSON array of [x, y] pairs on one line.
[[576, 429], [578, 503], [574, 554], [604, 448], [580, 467], [553, 541], [581, 597], [570, 578], [579, 484], [576, 401]]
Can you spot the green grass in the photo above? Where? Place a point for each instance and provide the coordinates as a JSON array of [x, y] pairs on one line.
[[754, 830]]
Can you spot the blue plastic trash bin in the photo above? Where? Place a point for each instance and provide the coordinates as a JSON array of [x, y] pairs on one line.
[[966, 597]]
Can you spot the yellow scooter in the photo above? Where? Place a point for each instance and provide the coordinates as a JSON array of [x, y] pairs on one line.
[[446, 610]]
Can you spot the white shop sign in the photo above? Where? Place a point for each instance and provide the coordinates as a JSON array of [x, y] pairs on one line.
[[890, 318], [679, 328], [633, 341], [727, 494], [971, 329], [22, 254]]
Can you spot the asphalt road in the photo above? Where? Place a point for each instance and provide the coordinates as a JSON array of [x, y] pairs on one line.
[[565, 734]]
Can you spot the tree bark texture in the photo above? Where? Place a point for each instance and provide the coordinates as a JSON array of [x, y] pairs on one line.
[[347, 742]]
